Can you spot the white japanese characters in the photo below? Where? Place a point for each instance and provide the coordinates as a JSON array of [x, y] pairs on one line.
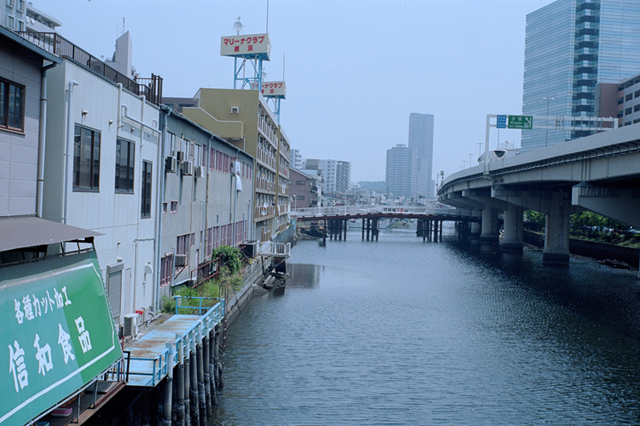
[[31, 307], [85, 340], [63, 341], [17, 366]]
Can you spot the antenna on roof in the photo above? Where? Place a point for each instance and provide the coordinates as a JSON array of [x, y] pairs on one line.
[[267, 31], [122, 25], [284, 58]]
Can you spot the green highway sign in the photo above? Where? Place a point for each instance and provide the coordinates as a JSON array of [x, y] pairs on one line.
[[524, 122], [57, 334]]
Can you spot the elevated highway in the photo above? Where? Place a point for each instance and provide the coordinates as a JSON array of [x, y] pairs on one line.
[[600, 173]]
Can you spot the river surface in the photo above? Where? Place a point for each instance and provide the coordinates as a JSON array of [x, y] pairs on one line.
[[402, 332]]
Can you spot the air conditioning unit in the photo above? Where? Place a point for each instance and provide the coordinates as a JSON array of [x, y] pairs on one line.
[[131, 325], [180, 155], [180, 260], [171, 164], [199, 172], [235, 110], [187, 168]]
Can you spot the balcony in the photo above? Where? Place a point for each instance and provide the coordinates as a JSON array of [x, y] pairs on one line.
[[151, 88], [266, 159], [264, 185], [263, 213], [267, 132]]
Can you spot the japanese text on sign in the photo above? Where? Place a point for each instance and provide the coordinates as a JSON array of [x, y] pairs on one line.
[[246, 45]]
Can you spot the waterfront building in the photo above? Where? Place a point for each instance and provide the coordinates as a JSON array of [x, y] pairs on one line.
[[244, 118], [306, 189], [421, 139], [570, 46], [102, 168], [58, 335], [206, 199], [402, 171]]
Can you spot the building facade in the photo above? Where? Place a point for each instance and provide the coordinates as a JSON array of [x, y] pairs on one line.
[[102, 169], [421, 139], [402, 171], [20, 15], [570, 46], [244, 118], [206, 199], [336, 174], [306, 189]]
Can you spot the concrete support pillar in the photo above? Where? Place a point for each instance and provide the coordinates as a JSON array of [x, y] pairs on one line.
[[490, 224], [206, 359], [187, 388], [513, 229], [202, 397], [194, 411], [180, 411], [363, 226], [556, 231]]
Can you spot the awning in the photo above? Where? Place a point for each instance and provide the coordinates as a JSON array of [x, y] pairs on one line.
[[30, 231]]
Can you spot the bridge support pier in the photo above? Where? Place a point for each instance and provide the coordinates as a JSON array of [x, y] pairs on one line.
[[490, 223], [513, 229], [556, 231]]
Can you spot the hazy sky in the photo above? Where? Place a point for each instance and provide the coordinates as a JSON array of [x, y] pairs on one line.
[[355, 69]]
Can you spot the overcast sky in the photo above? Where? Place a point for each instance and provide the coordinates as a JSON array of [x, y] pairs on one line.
[[355, 69]]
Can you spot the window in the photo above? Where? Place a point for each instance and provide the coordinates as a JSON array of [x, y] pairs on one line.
[[165, 207], [21, 5], [184, 243], [636, 108], [628, 97], [212, 159], [301, 182], [10, 3], [11, 106], [10, 21], [300, 197], [21, 26], [627, 111], [165, 270], [174, 207], [146, 189], [125, 157], [86, 159]]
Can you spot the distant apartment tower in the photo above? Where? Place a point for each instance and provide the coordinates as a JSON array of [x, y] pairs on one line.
[[336, 174], [296, 159], [402, 171], [570, 46], [421, 140], [20, 15]]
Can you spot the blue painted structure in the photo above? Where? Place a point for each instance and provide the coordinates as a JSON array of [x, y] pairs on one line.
[[152, 357]]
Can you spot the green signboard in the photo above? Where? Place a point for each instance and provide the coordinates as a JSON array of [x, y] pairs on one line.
[[524, 122], [57, 333]]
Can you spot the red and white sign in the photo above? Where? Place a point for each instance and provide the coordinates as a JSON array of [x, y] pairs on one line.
[[272, 89], [246, 46]]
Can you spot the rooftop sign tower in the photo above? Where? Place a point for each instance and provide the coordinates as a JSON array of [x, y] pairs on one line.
[[246, 49]]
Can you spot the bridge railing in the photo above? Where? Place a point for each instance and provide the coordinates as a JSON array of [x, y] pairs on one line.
[[396, 210]]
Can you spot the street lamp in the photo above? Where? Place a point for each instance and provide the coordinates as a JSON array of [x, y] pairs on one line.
[[546, 133]]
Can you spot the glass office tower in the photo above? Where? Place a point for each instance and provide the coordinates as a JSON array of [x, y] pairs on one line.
[[570, 46], [421, 139]]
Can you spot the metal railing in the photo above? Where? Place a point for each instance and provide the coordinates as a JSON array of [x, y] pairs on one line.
[[182, 344], [271, 248], [357, 209], [151, 88]]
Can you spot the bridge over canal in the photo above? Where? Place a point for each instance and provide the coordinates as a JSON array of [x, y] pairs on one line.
[[600, 173], [429, 220]]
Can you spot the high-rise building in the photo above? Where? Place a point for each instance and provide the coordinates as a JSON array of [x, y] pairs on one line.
[[421, 139], [570, 46], [335, 173], [296, 159], [402, 170]]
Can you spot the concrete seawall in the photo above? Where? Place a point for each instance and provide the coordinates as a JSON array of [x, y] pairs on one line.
[[592, 249]]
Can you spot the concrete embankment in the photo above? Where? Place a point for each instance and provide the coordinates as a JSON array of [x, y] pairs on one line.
[[607, 253]]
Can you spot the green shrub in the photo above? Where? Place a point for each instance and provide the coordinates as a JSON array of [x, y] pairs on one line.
[[231, 257]]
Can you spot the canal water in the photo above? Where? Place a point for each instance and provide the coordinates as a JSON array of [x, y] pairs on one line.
[[402, 332]]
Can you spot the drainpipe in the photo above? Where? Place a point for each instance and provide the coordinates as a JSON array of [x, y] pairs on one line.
[[125, 114], [42, 137], [66, 181], [160, 181]]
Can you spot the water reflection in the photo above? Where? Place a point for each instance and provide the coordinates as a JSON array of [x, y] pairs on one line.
[[404, 332]]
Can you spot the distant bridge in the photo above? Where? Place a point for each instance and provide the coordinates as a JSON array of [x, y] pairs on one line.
[[429, 219]]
